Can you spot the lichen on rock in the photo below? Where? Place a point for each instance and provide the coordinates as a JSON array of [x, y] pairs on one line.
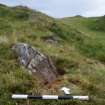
[[35, 62]]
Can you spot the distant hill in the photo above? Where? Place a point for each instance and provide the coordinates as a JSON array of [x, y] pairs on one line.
[[78, 51]]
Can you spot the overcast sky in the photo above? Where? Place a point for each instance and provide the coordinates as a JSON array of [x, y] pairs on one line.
[[63, 8]]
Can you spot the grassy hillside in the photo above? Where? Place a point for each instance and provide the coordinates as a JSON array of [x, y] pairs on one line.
[[79, 54]]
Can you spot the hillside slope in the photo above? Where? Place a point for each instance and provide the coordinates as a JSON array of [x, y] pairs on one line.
[[79, 53]]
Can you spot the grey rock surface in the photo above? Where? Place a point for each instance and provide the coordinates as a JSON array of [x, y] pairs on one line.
[[35, 62]]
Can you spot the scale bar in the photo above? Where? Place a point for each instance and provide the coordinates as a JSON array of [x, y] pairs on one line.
[[47, 97]]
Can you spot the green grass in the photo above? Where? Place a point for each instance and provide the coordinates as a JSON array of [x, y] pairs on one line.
[[79, 55]]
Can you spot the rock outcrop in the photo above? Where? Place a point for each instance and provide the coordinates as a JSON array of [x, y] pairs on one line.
[[51, 39], [35, 62]]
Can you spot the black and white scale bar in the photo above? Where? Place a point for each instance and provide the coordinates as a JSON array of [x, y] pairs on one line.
[[52, 97]]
